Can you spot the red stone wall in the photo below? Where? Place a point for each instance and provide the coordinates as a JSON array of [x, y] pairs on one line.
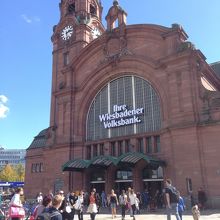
[[190, 151], [52, 160]]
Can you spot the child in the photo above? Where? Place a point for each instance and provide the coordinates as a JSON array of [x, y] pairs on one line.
[[195, 212], [181, 206]]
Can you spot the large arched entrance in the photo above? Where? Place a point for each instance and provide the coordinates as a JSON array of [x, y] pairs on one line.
[[122, 130]]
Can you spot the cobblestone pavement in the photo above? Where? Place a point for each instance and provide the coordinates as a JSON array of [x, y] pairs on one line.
[[206, 215]]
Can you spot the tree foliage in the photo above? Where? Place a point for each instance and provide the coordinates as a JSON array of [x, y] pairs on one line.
[[12, 173]]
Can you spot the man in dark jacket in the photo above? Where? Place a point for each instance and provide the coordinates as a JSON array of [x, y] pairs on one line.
[[171, 204], [53, 211]]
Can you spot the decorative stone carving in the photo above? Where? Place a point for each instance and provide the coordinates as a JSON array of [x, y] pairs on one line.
[[114, 13], [115, 47], [185, 46]]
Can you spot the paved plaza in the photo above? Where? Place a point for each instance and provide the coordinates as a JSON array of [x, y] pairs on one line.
[[206, 215]]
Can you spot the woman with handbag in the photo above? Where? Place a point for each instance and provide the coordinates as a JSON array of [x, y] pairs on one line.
[[133, 202], [72, 200], [79, 205], [92, 209], [16, 210]]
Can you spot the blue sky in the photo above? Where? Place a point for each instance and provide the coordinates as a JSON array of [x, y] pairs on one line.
[[26, 60]]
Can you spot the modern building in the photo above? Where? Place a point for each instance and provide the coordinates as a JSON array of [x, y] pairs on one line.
[[12, 157], [130, 106]]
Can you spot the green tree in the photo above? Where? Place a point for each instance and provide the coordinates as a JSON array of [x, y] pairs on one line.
[[20, 172], [8, 174]]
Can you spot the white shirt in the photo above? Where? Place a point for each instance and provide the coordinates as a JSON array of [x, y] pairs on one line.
[[79, 202], [40, 199], [16, 201], [133, 198]]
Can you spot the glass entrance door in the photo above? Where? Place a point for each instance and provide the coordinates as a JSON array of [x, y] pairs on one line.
[[98, 186], [122, 185]]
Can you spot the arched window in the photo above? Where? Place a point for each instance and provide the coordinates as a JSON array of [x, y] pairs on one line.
[[125, 106], [93, 10], [71, 8]]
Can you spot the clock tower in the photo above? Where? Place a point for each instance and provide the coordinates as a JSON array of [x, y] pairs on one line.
[[80, 23]]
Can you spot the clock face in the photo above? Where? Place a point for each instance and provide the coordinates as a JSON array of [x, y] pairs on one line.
[[67, 32], [95, 32]]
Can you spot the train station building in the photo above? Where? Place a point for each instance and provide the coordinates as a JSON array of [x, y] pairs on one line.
[[130, 106]]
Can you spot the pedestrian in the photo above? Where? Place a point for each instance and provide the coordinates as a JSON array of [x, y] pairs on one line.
[[97, 199], [181, 206], [63, 207], [113, 203], [123, 201], [53, 211], [195, 212], [133, 203], [72, 201], [44, 207], [104, 199], [39, 198], [16, 210], [92, 209], [171, 200], [79, 205], [145, 198], [129, 203]]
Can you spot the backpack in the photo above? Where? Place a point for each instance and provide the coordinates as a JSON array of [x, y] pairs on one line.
[[174, 195], [47, 215]]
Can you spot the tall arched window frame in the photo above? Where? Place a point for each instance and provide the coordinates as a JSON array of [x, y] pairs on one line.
[[134, 93]]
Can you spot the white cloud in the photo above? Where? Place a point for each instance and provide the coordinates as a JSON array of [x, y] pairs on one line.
[[3, 108], [30, 20], [26, 18]]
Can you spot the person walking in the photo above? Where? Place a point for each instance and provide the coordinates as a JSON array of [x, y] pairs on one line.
[[195, 212], [40, 208], [72, 200], [79, 205], [54, 210], [104, 199], [39, 198], [113, 203], [16, 210], [181, 206], [123, 201], [171, 200], [92, 209], [63, 208], [133, 203]]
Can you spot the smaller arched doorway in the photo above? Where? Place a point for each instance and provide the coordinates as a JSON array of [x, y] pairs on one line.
[[153, 185], [97, 180]]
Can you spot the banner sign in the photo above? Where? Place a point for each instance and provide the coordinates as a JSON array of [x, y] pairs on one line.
[[121, 116]]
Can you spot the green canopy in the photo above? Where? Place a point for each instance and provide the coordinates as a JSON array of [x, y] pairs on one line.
[[105, 161], [75, 165]]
